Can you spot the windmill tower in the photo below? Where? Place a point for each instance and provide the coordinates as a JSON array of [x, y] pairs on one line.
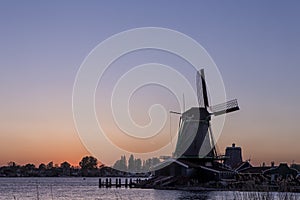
[[195, 138]]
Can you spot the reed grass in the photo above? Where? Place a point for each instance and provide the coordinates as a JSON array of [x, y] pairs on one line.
[[264, 196]]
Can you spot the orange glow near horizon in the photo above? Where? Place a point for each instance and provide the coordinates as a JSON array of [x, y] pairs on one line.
[[36, 148], [50, 135]]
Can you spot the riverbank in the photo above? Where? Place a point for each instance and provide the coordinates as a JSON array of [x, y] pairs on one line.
[[188, 184]]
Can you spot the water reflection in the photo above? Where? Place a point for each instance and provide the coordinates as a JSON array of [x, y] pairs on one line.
[[194, 195], [77, 188]]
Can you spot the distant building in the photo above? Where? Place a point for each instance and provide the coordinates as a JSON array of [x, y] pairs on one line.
[[281, 171], [296, 166], [234, 156]]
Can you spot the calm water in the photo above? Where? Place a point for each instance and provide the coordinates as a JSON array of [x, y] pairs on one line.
[[79, 188]]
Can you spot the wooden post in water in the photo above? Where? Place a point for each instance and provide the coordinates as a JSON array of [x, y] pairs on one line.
[[100, 184], [120, 183], [109, 182], [106, 182], [126, 183]]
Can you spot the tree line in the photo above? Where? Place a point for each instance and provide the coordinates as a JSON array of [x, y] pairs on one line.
[[88, 166]]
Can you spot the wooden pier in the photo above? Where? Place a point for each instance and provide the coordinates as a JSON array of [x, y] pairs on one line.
[[117, 182]]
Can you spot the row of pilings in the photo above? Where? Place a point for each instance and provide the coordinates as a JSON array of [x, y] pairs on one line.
[[117, 183]]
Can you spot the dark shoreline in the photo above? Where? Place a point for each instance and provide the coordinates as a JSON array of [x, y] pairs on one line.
[[172, 183], [204, 189]]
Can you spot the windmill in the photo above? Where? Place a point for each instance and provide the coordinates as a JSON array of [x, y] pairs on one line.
[[195, 138]]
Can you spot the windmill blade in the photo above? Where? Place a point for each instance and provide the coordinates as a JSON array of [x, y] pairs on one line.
[[227, 107], [174, 112], [201, 89], [204, 90]]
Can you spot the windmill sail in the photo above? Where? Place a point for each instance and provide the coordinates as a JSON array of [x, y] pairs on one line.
[[226, 107], [204, 90], [201, 89]]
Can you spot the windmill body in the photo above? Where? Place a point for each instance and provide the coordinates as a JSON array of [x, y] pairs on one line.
[[193, 129], [195, 139]]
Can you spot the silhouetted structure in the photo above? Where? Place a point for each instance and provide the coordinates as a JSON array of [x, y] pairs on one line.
[[233, 156], [195, 154], [195, 139], [283, 171]]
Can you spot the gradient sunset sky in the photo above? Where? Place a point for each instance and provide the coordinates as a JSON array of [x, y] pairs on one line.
[[255, 44]]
